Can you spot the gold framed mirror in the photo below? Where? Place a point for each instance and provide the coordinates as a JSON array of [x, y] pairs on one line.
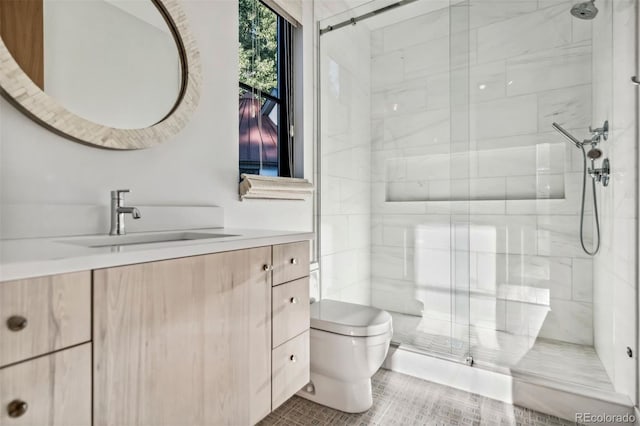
[[90, 116]]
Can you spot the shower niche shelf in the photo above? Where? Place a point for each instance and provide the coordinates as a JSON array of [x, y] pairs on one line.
[[534, 172]]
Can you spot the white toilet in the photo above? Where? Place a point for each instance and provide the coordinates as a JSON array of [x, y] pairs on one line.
[[349, 343]]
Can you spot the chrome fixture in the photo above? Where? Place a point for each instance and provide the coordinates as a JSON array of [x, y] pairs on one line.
[[586, 10], [600, 175], [355, 20], [118, 210], [635, 80]]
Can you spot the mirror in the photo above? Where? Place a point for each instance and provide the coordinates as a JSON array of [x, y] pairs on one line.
[[120, 74]]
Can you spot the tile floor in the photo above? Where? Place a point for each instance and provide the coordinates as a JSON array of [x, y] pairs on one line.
[[399, 399]]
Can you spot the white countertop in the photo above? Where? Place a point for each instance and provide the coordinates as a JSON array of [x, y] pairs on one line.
[[34, 257]]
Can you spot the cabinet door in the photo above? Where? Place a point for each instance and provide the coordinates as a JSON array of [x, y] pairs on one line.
[[53, 390], [41, 315], [184, 341]]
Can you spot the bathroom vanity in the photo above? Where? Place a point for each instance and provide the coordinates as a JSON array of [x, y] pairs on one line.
[[218, 336]]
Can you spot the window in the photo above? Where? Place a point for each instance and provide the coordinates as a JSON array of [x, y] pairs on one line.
[[265, 102]]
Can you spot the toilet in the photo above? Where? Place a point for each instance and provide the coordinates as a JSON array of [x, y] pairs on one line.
[[349, 343]]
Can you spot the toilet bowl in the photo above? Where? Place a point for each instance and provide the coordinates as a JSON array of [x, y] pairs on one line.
[[349, 343]]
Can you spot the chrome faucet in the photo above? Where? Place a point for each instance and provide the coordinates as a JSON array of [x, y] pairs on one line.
[[118, 210]]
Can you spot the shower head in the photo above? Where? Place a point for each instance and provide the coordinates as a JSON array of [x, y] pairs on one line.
[[586, 10]]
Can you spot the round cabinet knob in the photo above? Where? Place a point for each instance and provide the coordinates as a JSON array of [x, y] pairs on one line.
[[17, 408], [17, 323], [293, 358], [267, 268], [293, 300], [294, 261]]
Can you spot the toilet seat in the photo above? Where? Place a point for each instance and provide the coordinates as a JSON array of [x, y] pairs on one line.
[[349, 319]]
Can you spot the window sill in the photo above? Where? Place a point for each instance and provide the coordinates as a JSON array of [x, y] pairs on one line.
[[274, 188]]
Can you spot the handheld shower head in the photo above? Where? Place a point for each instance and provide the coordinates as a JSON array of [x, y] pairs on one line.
[[567, 135]]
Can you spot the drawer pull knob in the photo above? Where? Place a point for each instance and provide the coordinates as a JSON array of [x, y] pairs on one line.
[[293, 300], [294, 261], [267, 268], [17, 323], [293, 358], [17, 408]]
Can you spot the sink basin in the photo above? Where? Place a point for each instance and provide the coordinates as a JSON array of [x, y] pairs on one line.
[[132, 239]]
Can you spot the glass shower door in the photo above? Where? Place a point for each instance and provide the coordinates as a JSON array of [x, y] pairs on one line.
[[394, 211]]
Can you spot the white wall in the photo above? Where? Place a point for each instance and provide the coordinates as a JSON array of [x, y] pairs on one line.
[[615, 267], [199, 166]]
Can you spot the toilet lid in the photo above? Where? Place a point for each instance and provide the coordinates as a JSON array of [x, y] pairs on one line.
[[349, 319]]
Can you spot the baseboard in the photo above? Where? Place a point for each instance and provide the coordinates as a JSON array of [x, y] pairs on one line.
[[534, 393]]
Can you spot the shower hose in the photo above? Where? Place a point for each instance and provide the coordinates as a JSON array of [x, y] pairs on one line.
[[595, 208]]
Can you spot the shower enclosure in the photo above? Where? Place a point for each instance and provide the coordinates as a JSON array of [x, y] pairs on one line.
[[448, 199]]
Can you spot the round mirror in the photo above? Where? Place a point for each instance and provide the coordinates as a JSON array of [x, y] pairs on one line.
[[115, 73]]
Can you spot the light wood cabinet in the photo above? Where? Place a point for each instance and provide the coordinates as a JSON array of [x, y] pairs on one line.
[[290, 368], [219, 339], [41, 315], [291, 310], [52, 390], [185, 341], [290, 262]]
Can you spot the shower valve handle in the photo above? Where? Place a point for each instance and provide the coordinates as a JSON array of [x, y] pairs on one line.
[[600, 132]]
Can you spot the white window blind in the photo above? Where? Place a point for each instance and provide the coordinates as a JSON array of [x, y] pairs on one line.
[[291, 10]]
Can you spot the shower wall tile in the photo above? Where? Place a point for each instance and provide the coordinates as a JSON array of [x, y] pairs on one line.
[[504, 117], [581, 30], [543, 29], [529, 73], [438, 86], [570, 107], [417, 129], [408, 99], [487, 81], [570, 322], [486, 12], [582, 280], [558, 236], [418, 30], [550, 274], [427, 58], [387, 69], [624, 335]]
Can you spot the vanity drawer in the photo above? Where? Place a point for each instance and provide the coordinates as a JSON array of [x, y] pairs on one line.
[[290, 262], [290, 310], [51, 390], [40, 315], [290, 369]]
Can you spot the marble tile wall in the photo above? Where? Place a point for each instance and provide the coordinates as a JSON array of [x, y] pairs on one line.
[[615, 267], [345, 165], [462, 105]]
